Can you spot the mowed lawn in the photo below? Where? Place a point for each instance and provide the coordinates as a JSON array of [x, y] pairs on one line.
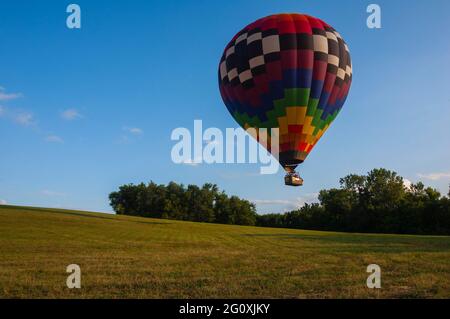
[[131, 257]]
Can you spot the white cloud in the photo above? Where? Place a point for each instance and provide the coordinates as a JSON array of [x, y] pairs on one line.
[[435, 176], [123, 139], [54, 139], [191, 162], [289, 204], [127, 137], [134, 130], [273, 201], [24, 118], [47, 192], [239, 175], [8, 96], [3, 202], [18, 116], [407, 183], [70, 114]]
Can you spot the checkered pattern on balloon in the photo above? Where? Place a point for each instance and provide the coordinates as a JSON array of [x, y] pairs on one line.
[[286, 71]]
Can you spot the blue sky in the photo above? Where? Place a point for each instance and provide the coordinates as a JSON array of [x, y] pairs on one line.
[[84, 111]]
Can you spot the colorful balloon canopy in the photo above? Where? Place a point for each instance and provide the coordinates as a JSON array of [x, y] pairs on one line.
[[286, 71]]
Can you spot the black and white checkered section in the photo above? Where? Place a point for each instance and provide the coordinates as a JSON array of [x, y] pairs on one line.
[[251, 50]]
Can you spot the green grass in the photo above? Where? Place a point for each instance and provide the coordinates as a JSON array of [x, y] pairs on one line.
[[131, 257]]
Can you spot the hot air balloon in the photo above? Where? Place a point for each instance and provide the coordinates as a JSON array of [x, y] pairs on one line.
[[287, 71]]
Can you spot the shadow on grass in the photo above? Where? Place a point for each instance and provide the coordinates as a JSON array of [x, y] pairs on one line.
[[82, 214], [112, 218], [348, 242]]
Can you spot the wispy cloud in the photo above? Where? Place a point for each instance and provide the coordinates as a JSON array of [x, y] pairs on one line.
[[435, 176], [54, 139], [288, 204], [3, 202], [191, 162], [238, 175], [18, 116], [130, 135], [24, 118], [8, 96], [71, 114], [273, 201], [134, 130], [123, 139], [51, 193]]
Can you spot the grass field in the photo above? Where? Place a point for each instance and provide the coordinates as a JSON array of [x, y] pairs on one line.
[[131, 257]]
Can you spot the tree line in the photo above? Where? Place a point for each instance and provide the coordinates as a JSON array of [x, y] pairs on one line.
[[378, 202], [175, 201]]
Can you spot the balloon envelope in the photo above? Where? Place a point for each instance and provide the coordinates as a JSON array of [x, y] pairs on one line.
[[286, 71]]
